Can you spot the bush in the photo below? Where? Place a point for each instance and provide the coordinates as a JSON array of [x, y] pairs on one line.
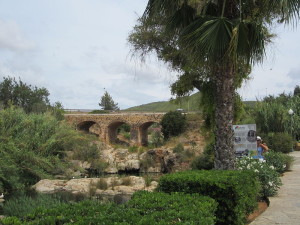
[[266, 174], [22, 204], [206, 160], [178, 148], [235, 191], [280, 161], [280, 142], [156, 138], [33, 147], [144, 208], [98, 111], [173, 123], [163, 208]]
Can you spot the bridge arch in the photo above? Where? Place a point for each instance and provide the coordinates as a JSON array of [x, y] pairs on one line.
[[112, 130], [143, 132], [89, 127]]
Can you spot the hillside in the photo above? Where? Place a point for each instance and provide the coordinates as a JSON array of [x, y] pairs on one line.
[[190, 103]]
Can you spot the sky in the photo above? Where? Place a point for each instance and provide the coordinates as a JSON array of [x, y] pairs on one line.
[[78, 49]]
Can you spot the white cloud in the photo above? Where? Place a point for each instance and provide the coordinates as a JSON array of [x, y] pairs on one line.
[[12, 38]]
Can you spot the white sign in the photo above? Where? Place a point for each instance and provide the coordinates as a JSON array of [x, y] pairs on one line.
[[245, 139]]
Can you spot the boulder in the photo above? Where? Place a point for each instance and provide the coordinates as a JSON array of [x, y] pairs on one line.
[[132, 164], [49, 186]]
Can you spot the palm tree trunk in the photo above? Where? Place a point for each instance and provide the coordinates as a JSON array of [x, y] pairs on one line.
[[224, 152]]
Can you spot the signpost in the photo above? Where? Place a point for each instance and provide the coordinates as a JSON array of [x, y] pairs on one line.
[[245, 140]]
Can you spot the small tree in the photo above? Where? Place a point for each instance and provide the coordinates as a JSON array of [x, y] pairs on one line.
[[107, 103], [297, 90], [173, 124]]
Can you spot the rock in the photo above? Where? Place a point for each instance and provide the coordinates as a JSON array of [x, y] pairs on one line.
[[111, 169], [79, 185], [85, 165], [124, 189], [137, 181], [132, 165], [49, 186], [121, 166], [133, 156]]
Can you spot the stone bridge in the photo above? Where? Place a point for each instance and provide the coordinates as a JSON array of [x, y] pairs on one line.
[[106, 125]]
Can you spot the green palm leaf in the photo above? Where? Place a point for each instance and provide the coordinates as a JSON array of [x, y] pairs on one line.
[[208, 38], [247, 42]]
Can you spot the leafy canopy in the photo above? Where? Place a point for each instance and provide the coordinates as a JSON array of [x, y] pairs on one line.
[[28, 97]]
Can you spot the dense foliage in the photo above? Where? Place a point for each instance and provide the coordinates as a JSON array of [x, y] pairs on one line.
[[205, 161], [22, 204], [28, 97], [32, 146], [144, 208], [235, 191], [173, 123], [280, 161], [107, 103], [280, 142], [271, 115], [266, 174]]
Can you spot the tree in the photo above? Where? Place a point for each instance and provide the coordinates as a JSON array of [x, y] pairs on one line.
[[297, 90], [218, 36], [28, 97], [172, 124], [107, 103]]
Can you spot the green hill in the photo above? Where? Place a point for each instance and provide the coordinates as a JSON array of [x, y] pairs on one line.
[[190, 103]]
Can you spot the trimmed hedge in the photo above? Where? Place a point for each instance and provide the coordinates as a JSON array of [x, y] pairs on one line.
[[143, 209], [163, 208], [235, 191]]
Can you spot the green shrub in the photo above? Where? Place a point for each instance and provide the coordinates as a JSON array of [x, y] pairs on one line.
[[133, 148], [23, 204], [206, 160], [235, 191], [266, 174], [156, 138], [280, 161], [145, 208], [163, 208], [173, 123], [33, 147], [280, 142], [98, 111], [178, 148]]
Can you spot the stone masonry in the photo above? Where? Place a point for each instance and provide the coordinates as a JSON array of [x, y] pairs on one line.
[[106, 125]]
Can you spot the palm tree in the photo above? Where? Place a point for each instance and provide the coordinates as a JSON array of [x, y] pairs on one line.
[[222, 34]]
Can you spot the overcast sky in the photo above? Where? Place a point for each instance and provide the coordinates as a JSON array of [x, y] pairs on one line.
[[76, 48]]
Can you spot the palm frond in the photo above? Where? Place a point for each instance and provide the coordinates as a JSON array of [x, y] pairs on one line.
[[182, 17], [161, 7], [248, 42], [208, 38]]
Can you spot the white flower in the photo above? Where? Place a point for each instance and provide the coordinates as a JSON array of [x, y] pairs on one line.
[[272, 167], [270, 184], [256, 171], [261, 160], [284, 166]]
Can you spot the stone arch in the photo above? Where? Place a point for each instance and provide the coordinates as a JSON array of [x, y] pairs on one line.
[[143, 134], [89, 127], [112, 130]]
